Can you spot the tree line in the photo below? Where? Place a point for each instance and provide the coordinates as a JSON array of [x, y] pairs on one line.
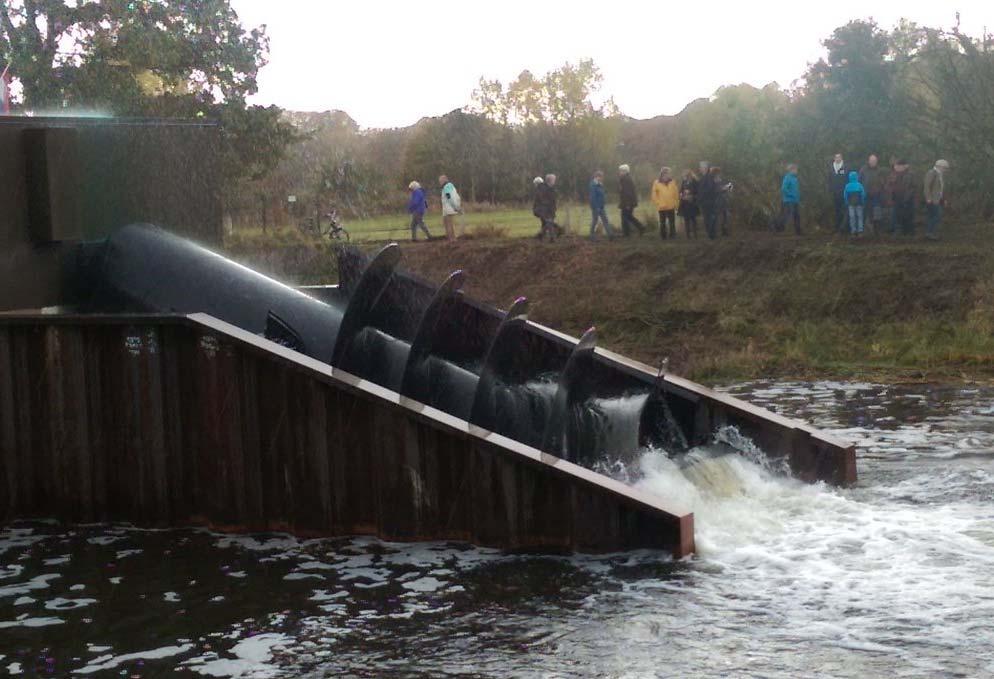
[[911, 91]]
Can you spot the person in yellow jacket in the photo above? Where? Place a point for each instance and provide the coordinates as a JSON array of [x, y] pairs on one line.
[[666, 198]]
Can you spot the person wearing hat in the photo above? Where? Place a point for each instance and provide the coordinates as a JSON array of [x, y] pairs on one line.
[[628, 201], [934, 189], [417, 205], [544, 206]]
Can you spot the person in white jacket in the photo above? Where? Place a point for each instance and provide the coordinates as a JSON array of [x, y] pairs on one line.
[[451, 206]]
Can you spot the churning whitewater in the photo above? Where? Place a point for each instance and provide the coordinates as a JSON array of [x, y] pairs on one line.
[[894, 577]]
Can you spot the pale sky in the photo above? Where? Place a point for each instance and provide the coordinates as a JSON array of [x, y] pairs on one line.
[[388, 64]]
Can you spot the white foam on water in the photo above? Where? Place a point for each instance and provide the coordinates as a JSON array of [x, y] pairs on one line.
[[251, 659], [880, 575], [24, 621], [110, 662], [425, 584], [35, 583], [61, 604]]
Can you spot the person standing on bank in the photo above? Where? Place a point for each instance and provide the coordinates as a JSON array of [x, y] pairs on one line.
[[873, 178], [837, 180], [451, 206], [417, 205], [722, 203], [935, 185], [688, 203], [790, 198], [544, 206], [707, 198], [903, 196], [855, 197], [598, 203], [666, 198], [628, 201]]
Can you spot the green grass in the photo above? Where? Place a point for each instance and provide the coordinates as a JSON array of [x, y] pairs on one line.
[[481, 222], [754, 305]]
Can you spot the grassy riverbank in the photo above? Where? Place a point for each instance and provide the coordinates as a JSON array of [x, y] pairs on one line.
[[747, 307]]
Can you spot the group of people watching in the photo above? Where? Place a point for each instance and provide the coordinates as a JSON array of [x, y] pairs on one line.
[[885, 199], [695, 195]]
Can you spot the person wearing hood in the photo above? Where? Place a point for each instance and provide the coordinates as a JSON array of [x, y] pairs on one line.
[[628, 201], [598, 203], [666, 198], [935, 186], [790, 197], [451, 206], [837, 174], [417, 205], [855, 197], [688, 203]]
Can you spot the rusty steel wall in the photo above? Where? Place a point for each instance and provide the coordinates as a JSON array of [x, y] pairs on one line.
[[185, 420]]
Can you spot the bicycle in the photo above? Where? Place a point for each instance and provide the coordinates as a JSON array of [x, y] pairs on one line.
[[335, 230]]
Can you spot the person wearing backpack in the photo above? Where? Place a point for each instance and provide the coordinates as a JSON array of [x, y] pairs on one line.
[[451, 206], [855, 197]]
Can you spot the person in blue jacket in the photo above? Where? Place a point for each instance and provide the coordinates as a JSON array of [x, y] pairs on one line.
[[417, 205], [855, 197], [790, 197], [598, 202]]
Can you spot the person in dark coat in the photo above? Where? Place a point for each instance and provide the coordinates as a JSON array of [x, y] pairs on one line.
[[628, 201], [903, 191], [545, 206], [838, 177], [689, 209], [707, 197]]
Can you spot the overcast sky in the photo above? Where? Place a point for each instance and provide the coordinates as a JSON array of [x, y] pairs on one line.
[[389, 64]]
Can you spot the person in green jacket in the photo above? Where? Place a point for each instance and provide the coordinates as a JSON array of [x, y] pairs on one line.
[[451, 206]]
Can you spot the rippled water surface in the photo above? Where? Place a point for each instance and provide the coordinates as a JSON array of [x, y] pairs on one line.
[[892, 578]]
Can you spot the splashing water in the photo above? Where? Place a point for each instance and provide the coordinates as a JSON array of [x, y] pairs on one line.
[[891, 578]]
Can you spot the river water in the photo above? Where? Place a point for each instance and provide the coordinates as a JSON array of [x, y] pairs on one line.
[[892, 578]]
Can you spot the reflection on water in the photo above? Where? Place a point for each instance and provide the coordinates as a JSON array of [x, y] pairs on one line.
[[894, 577]]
